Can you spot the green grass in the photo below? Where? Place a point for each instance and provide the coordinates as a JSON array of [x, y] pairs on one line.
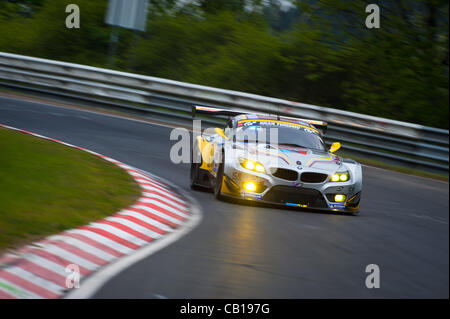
[[405, 170], [47, 187]]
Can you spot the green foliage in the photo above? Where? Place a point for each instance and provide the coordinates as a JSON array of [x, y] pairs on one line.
[[214, 6], [328, 58], [45, 34], [10, 9]]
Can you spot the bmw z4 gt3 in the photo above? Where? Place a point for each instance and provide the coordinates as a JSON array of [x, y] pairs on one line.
[[277, 160]]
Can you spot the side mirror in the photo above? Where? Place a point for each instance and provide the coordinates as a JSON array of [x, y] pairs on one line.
[[334, 147], [220, 132]]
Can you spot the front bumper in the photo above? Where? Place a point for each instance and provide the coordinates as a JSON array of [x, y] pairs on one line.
[[271, 190]]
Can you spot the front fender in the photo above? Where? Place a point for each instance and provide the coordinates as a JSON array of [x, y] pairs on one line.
[[207, 149]]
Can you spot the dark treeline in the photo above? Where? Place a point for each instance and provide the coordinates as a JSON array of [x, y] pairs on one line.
[[318, 52]]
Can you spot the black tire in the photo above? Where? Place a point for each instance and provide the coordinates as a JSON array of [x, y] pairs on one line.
[[194, 182], [218, 182]]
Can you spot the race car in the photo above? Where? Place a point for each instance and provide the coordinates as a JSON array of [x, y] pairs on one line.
[[274, 159]]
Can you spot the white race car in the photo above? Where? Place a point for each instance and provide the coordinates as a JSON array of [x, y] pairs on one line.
[[277, 160]]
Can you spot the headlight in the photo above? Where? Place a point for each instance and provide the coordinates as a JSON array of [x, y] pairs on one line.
[[249, 165], [340, 177], [250, 186], [260, 168], [252, 166], [340, 198]]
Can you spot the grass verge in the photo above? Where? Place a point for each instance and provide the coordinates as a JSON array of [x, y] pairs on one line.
[[46, 188]]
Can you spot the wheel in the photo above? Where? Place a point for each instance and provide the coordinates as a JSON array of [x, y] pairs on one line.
[[194, 176], [218, 182], [195, 168]]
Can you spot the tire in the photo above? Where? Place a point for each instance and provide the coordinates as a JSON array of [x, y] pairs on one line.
[[193, 183], [194, 173], [218, 182]]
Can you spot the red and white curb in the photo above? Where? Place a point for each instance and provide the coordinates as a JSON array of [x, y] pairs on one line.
[[40, 270]]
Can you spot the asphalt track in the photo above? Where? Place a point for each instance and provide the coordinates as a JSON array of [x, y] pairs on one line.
[[259, 252]]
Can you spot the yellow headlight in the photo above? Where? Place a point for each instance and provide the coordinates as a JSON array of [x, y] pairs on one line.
[[249, 165], [259, 168], [340, 177], [252, 166], [335, 178], [340, 198], [250, 186]]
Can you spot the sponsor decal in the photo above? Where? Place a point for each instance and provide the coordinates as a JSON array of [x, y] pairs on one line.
[[276, 123], [296, 205]]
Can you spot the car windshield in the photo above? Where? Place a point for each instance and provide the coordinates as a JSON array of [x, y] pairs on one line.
[[281, 134]]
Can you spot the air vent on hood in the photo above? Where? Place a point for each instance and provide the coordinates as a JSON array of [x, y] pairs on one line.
[[284, 173]]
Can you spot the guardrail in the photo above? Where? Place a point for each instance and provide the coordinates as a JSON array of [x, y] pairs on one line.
[[392, 141]]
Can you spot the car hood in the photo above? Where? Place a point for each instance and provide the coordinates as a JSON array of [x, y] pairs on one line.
[[283, 156]]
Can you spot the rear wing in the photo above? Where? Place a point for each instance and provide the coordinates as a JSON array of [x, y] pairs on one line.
[[196, 109], [320, 125], [216, 111]]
